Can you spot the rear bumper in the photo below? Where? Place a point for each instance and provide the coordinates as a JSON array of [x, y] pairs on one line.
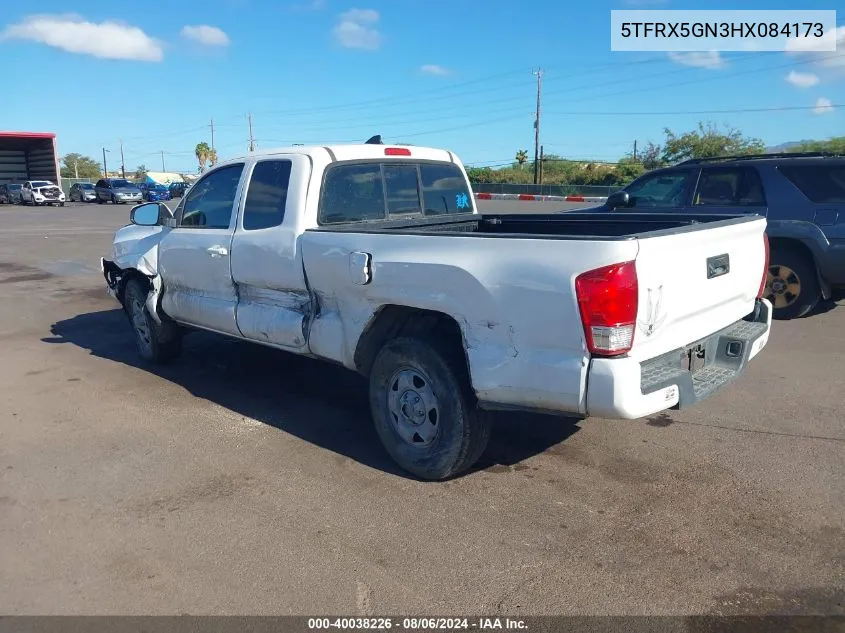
[[627, 388]]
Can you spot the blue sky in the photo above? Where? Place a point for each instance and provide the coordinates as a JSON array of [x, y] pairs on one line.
[[455, 74]]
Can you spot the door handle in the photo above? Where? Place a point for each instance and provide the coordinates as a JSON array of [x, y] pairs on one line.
[[217, 251]]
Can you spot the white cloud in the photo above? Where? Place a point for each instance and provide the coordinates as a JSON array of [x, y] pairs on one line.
[[74, 34], [206, 35], [365, 16], [351, 31], [802, 80], [710, 59], [434, 69], [826, 59], [818, 44], [823, 106]]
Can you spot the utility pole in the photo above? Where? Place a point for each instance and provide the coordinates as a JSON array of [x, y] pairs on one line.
[[539, 73], [122, 165], [162, 161], [251, 139], [635, 149], [105, 167], [212, 133], [541, 165]]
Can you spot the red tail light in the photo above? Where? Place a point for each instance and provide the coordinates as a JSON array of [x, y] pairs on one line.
[[765, 267], [397, 151], [608, 299]]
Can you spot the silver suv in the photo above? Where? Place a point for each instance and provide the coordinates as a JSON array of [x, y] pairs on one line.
[[117, 191]]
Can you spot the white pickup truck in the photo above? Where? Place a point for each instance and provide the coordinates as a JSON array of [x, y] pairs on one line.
[[375, 257]]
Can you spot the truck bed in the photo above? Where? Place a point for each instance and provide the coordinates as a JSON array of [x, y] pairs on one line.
[[566, 226]]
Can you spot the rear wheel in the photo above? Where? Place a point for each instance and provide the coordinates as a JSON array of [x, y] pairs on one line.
[[792, 284], [156, 343], [424, 410]]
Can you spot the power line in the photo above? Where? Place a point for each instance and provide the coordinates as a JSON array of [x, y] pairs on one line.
[[464, 114]]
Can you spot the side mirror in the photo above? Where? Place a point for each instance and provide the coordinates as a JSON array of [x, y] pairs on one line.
[[618, 199], [150, 214]]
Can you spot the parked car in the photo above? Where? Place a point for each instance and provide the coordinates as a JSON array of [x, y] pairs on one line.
[[6, 194], [82, 192], [374, 257], [152, 192], [801, 195], [13, 193], [38, 192], [178, 189], [116, 191]]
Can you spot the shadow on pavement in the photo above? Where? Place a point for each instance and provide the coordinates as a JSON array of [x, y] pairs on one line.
[[321, 403]]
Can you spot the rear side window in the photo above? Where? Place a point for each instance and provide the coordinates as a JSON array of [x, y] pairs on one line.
[[820, 183], [730, 187], [267, 195], [445, 189]]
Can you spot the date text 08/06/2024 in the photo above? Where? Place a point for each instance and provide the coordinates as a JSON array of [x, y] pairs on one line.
[[417, 624]]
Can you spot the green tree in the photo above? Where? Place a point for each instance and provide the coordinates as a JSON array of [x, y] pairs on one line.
[[708, 141], [202, 152], [627, 169], [521, 157], [212, 157], [78, 166], [835, 145], [651, 157], [141, 172]]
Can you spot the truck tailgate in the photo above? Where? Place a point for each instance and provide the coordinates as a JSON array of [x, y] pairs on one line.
[[696, 282]]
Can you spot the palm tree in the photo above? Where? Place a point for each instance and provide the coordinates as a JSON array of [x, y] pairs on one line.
[[212, 157], [521, 157], [202, 152]]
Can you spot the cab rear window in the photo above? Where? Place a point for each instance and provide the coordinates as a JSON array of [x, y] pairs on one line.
[[358, 192]]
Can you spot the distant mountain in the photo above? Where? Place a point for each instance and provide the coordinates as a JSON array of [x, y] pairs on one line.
[[785, 147]]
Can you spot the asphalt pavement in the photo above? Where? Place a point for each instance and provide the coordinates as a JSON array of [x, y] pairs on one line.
[[243, 480]]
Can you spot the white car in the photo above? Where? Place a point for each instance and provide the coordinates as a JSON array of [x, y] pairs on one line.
[[374, 257], [38, 192]]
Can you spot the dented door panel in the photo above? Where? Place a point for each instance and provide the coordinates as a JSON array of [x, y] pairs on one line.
[[273, 305]]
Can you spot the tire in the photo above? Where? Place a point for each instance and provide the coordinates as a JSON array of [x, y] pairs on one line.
[[156, 343], [113, 200], [792, 284], [61, 204], [450, 432], [99, 199]]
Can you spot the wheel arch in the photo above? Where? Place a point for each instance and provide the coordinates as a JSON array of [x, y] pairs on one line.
[[391, 321]]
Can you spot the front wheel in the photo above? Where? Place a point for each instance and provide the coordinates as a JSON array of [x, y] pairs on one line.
[[424, 410], [791, 284], [156, 343]]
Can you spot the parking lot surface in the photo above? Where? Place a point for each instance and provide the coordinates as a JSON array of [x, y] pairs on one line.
[[245, 480]]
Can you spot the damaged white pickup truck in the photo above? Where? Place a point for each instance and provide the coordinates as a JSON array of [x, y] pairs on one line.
[[376, 258]]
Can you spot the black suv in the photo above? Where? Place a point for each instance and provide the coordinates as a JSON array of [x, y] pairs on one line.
[[801, 195]]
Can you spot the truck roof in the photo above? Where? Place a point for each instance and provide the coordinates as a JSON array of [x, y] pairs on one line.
[[356, 151]]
